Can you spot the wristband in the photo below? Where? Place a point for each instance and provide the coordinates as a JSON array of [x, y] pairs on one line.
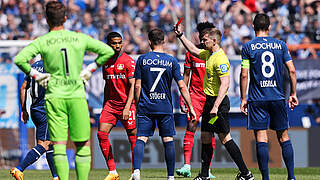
[[179, 35]]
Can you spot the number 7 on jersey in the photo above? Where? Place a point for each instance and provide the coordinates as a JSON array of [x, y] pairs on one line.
[[161, 71]]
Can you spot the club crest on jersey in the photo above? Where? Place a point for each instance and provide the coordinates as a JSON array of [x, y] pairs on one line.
[[120, 66], [224, 68]]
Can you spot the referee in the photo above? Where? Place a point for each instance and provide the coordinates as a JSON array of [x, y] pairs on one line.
[[216, 84]]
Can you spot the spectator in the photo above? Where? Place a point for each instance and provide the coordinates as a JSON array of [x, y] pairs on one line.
[[291, 20], [11, 8], [40, 26], [306, 53], [87, 26], [296, 36], [239, 29]]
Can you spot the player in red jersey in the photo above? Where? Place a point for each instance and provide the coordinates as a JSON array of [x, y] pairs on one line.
[[198, 99], [118, 73]]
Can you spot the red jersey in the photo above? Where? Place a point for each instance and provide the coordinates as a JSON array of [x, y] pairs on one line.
[[116, 73], [198, 67]]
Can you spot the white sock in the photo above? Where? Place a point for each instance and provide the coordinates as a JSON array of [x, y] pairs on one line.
[[136, 174], [188, 166], [170, 177], [113, 172]]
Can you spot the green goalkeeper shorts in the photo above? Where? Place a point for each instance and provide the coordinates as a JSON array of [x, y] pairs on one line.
[[64, 114]]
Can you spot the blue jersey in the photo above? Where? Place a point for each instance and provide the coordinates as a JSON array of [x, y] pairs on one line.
[[156, 71], [37, 92], [267, 57]]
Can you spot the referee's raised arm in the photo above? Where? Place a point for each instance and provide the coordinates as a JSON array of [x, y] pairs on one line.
[[186, 42]]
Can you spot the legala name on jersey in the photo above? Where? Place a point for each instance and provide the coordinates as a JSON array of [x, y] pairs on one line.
[[268, 83], [258, 46]]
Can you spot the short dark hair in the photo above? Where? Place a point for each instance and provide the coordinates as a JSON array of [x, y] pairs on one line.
[[261, 22], [55, 12], [156, 36], [212, 32], [113, 35], [204, 25]]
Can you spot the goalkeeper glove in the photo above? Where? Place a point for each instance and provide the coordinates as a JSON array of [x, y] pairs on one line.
[[86, 73], [41, 78]]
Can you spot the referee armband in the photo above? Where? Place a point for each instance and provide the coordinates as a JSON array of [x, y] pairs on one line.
[[245, 64]]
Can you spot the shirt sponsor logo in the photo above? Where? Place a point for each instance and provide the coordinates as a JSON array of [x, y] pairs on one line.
[[120, 66], [258, 46], [106, 66], [224, 68], [201, 65], [60, 40], [116, 76], [156, 62]]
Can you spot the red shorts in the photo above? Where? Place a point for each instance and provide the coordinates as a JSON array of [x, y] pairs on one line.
[[111, 114], [198, 104]]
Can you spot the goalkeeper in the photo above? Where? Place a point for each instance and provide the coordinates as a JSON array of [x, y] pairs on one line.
[[62, 52]]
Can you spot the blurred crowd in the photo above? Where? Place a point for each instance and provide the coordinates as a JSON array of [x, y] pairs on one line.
[[294, 21]]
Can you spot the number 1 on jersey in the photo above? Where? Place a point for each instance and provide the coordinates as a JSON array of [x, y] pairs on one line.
[[161, 71], [66, 65]]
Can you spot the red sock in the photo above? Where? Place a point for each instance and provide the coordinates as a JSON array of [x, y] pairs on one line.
[[132, 140], [213, 147], [187, 146], [106, 149]]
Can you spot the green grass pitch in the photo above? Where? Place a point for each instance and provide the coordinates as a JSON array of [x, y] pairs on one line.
[[161, 174]]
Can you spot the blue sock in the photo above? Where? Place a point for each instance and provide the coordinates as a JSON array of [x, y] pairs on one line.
[[263, 158], [287, 154], [170, 155], [49, 156], [138, 153], [32, 156]]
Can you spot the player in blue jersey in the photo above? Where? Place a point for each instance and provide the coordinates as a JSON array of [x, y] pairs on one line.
[[38, 116], [265, 58], [154, 74]]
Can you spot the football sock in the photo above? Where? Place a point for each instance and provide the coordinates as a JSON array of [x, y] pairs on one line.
[[83, 162], [49, 156], [213, 147], [60, 159], [206, 155], [187, 146], [138, 153], [287, 154], [113, 172], [106, 149], [32, 156], [132, 140], [236, 155], [170, 156], [263, 158]]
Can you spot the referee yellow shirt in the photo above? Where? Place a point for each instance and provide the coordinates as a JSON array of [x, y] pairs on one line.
[[217, 65]]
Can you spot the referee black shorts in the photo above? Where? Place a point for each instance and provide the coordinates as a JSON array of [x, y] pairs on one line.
[[222, 123]]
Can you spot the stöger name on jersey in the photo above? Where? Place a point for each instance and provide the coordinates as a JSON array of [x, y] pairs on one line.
[[258, 46], [156, 62], [156, 95], [268, 83]]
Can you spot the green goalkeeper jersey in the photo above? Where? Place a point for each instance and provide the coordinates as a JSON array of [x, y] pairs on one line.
[[62, 53]]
